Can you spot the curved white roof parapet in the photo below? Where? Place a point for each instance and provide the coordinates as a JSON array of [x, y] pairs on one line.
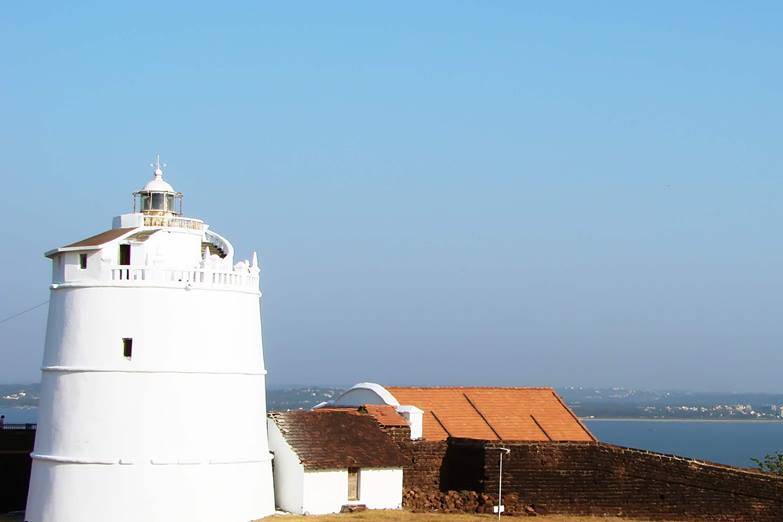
[[222, 242], [366, 393]]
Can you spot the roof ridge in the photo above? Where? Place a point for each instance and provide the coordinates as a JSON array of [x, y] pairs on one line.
[[317, 411]]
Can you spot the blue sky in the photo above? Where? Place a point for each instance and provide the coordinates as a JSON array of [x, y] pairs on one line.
[[510, 193]]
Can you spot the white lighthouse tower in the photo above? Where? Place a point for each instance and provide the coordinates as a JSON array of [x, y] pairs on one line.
[[152, 403]]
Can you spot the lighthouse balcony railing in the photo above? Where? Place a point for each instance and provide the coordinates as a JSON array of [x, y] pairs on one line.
[[167, 220], [196, 276]]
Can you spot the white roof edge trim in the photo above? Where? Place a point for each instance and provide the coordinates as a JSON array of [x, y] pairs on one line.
[[60, 250], [379, 390]]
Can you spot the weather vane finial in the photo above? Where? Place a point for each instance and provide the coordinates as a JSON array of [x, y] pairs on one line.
[[158, 165]]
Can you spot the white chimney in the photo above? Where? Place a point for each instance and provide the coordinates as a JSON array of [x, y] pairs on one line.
[[415, 418]]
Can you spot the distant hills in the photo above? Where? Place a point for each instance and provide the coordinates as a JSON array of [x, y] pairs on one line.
[[585, 402], [646, 404], [19, 394]]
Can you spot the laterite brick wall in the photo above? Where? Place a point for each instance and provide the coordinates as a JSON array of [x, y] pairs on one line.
[[426, 462], [425, 459], [602, 479]]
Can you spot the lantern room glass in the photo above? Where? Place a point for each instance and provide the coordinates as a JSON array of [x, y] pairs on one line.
[[159, 202]]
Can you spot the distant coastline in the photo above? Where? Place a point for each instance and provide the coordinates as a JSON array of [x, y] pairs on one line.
[[677, 419], [18, 402]]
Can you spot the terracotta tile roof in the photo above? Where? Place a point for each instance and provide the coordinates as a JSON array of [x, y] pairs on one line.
[[332, 439], [385, 415], [528, 414], [99, 239]]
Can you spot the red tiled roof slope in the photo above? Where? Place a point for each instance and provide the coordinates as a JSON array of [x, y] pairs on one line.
[[99, 239], [385, 415], [331, 439], [524, 414]]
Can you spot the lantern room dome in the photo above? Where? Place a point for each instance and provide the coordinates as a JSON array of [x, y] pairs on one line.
[[157, 184]]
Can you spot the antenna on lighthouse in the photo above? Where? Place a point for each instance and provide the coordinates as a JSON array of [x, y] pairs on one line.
[[158, 166]]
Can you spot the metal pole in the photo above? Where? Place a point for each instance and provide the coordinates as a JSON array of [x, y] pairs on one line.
[[500, 485], [500, 480]]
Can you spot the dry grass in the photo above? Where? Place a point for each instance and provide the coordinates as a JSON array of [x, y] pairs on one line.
[[407, 516], [403, 516]]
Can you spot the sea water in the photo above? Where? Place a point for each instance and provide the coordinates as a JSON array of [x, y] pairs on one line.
[[725, 442], [19, 414]]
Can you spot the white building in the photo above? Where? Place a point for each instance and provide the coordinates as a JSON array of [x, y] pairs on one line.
[[152, 404], [326, 459]]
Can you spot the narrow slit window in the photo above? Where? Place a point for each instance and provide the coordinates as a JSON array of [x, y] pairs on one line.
[[127, 347], [353, 483], [83, 261]]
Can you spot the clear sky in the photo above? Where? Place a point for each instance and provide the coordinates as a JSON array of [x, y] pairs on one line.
[[509, 193]]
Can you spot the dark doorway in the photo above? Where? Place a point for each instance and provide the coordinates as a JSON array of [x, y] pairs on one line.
[[125, 252]]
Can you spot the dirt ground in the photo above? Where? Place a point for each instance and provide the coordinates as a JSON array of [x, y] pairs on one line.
[[405, 516]]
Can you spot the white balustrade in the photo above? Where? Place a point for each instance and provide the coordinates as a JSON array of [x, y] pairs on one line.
[[196, 277]]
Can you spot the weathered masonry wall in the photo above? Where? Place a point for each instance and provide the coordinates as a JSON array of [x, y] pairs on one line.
[[424, 459], [15, 448], [594, 479], [597, 479]]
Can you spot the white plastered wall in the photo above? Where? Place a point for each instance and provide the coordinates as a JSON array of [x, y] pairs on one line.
[[288, 472], [325, 491], [381, 488], [176, 432]]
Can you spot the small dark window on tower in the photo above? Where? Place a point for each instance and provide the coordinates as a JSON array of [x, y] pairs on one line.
[[125, 254], [83, 261], [127, 347]]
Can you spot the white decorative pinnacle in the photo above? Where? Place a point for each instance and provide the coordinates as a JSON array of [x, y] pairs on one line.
[[156, 184], [158, 166]]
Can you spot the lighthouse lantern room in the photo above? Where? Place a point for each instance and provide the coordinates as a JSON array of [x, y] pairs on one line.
[[158, 197], [152, 403]]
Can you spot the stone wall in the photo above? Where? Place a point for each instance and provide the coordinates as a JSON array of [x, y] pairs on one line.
[[15, 463], [399, 434], [426, 462], [599, 479], [589, 479], [425, 459]]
